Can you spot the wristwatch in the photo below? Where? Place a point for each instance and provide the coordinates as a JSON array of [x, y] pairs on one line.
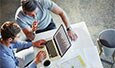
[[68, 28]]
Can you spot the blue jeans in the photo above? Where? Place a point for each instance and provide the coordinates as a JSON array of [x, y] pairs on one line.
[[50, 27]]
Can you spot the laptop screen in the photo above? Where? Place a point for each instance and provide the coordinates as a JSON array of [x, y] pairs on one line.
[[62, 40]]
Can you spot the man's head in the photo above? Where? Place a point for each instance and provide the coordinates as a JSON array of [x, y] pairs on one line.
[[9, 30], [28, 6]]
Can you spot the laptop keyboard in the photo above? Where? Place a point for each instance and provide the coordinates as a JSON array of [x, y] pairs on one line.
[[51, 49]]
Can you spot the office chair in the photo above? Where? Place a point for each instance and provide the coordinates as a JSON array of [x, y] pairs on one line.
[[106, 44]]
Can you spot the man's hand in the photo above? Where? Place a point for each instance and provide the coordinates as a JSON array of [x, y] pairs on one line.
[[40, 57], [72, 35], [34, 26], [39, 43]]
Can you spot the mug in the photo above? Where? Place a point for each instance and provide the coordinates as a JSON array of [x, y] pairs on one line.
[[46, 62]]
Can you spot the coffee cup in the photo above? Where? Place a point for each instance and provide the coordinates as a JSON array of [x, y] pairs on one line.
[[46, 62]]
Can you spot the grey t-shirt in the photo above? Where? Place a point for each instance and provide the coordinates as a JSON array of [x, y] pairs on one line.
[[42, 15]]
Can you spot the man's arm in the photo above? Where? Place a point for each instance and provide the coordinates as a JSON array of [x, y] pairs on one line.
[[25, 28], [23, 44], [57, 10], [29, 33]]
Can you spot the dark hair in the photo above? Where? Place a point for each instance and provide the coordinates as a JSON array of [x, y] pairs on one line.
[[9, 30], [28, 5]]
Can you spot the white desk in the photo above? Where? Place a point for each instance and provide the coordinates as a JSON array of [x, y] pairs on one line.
[[83, 46]]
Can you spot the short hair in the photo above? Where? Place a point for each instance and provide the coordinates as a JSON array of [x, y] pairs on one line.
[[28, 5], [9, 30]]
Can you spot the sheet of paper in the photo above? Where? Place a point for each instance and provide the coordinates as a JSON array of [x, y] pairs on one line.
[[76, 62]]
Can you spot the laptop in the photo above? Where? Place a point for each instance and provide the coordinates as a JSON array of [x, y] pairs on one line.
[[58, 44]]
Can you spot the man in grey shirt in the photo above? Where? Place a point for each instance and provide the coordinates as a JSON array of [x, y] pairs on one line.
[[34, 16]]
